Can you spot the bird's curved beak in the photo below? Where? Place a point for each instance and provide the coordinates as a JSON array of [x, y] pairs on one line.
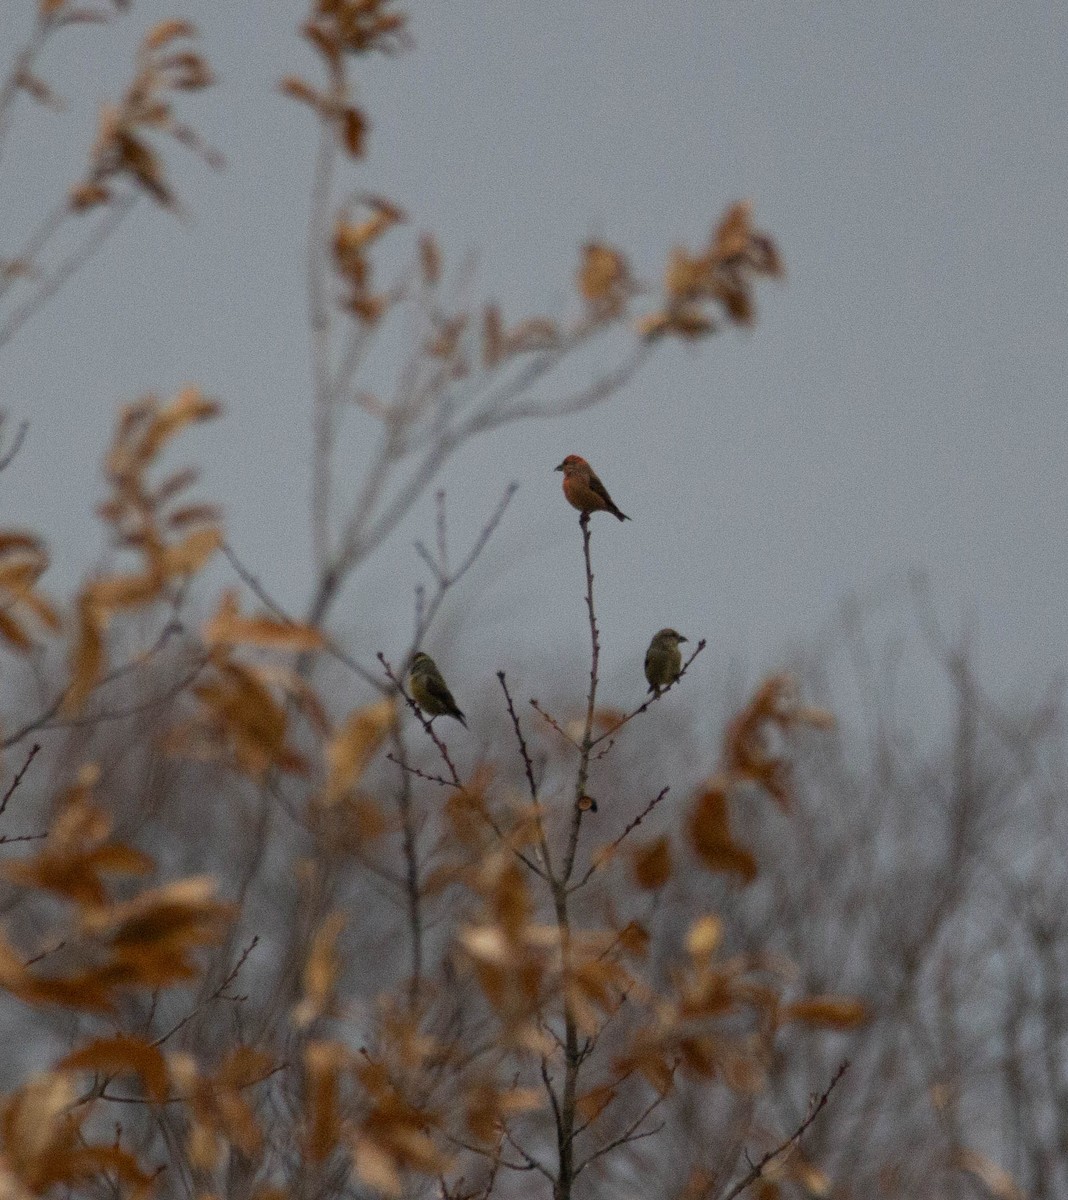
[[682, 639], [559, 468]]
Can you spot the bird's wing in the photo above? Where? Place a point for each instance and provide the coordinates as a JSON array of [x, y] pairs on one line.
[[597, 486], [438, 689]]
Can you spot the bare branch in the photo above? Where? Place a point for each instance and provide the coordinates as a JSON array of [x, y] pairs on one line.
[[320, 326], [631, 1134], [16, 445], [445, 579], [412, 888], [22, 261], [543, 841], [528, 766], [218, 994], [329, 645], [428, 776], [818, 1105], [552, 722], [34, 751], [427, 723], [613, 846], [20, 68], [646, 705], [45, 718], [52, 283]]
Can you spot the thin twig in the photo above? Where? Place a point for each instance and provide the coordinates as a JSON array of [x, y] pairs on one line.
[[646, 705], [43, 720], [528, 767], [132, 710], [218, 994], [427, 723], [494, 1157], [77, 259], [606, 855], [443, 578], [413, 892], [35, 749], [428, 776], [552, 722], [586, 745], [573, 1055], [16, 445], [34, 244], [614, 1085], [631, 1134], [757, 1169], [257, 588], [546, 1079], [320, 327], [443, 545], [20, 68], [45, 953], [532, 1162], [145, 1100], [9, 839]]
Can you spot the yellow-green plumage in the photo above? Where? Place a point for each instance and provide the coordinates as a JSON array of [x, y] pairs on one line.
[[430, 691], [663, 659]]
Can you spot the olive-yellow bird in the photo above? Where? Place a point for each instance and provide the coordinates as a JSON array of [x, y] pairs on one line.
[[584, 490], [430, 691], [663, 659]]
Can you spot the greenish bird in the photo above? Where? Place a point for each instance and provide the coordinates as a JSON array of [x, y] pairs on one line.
[[430, 691], [663, 659]]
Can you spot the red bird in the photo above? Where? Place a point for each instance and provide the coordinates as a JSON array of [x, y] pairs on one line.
[[584, 490]]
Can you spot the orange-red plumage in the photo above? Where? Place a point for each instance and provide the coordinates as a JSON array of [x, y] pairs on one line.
[[584, 490]]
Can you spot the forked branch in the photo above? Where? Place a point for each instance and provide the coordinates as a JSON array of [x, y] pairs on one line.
[[817, 1106]]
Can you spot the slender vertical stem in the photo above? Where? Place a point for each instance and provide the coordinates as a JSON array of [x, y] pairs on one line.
[[35, 243], [411, 869], [565, 1126], [586, 745], [22, 65], [320, 328], [78, 257], [528, 767], [565, 1122]]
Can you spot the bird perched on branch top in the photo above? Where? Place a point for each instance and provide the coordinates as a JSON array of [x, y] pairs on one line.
[[663, 659], [584, 490], [430, 691]]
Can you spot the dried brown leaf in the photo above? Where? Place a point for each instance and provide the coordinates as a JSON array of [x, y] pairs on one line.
[[229, 628], [651, 862], [296, 89], [192, 553], [167, 31], [350, 750], [827, 1012], [708, 827], [320, 972], [996, 1180], [354, 130], [122, 1054], [604, 280]]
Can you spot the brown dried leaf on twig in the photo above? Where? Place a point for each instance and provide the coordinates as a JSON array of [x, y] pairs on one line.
[[710, 836], [121, 150], [721, 275]]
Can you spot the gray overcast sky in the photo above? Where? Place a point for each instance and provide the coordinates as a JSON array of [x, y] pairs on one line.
[[899, 405]]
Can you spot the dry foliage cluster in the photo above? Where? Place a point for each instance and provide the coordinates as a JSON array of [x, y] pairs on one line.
[[266, 939]]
